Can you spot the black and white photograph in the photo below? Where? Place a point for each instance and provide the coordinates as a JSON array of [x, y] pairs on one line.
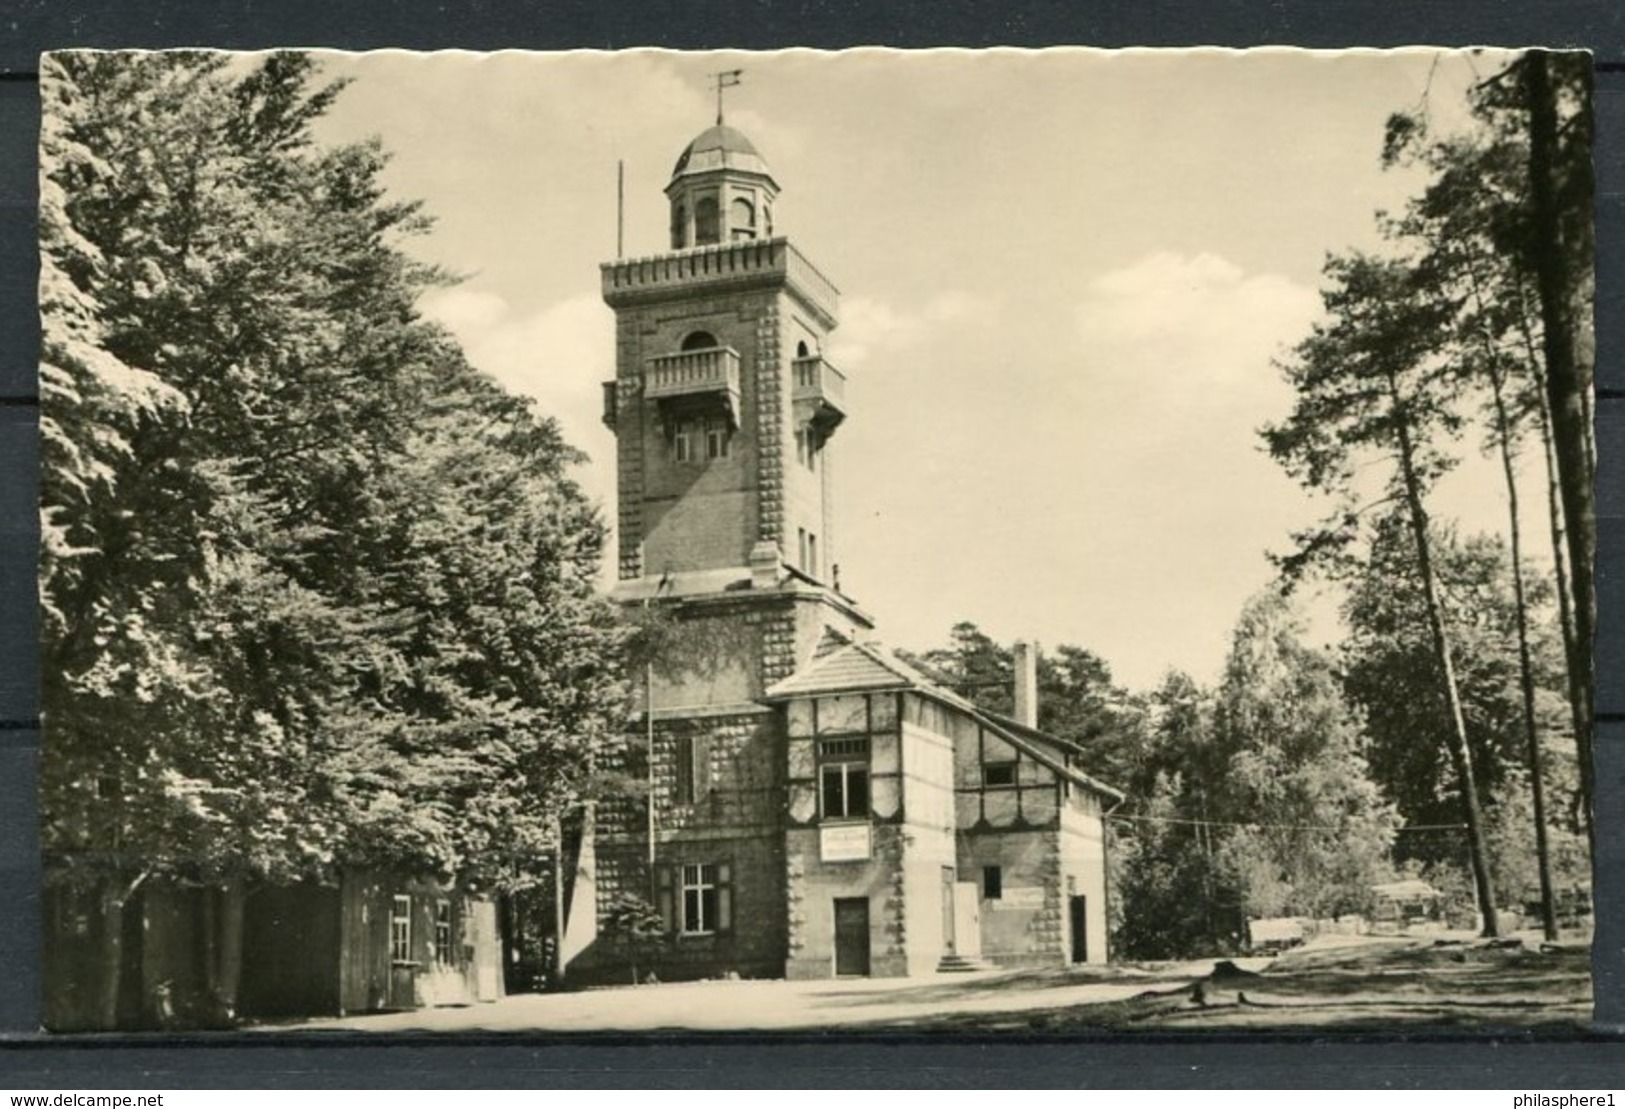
[[985, 541]]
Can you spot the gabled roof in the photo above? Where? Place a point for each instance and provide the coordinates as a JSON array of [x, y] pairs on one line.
[[841, 664], [1050, 750]]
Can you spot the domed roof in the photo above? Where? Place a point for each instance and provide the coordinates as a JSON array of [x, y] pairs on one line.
[[719, 147]]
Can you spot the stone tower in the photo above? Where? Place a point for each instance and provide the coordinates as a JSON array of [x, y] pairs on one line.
[[723, 405], [724, 411]]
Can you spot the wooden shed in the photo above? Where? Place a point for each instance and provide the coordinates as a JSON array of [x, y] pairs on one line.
[[372, 942]]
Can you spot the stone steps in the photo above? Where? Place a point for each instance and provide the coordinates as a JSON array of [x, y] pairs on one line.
[[960, 964]]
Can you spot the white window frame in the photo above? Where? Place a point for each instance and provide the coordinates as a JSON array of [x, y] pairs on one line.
[[697, 879], [443, 933], [400, 929], [845, 764]]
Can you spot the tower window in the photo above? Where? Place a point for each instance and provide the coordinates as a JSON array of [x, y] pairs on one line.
[[742, 219], [691, 437], [807, 448], [679, 226], [695, 899], [807, 548], [693, 766], [705, 221], [716, 439]]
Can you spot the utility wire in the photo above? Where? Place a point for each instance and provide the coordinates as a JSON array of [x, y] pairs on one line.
[[1290, 827]]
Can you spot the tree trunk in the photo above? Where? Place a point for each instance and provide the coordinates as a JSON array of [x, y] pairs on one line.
[[1505, 432], [1460, 753], [1526, 669], [555, 968], [229, 975], [111, 971], [1575, 669], [1560, 256], [207, 908], [508, 933]]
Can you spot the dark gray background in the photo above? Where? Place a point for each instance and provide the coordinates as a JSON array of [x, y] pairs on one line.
[[29, 1060]]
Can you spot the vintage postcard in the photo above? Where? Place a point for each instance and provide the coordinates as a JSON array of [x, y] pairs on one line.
[[865, 541]]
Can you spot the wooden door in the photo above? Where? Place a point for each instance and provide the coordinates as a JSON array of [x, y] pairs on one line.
[[1079, 906], [949, 933], [852, 935]]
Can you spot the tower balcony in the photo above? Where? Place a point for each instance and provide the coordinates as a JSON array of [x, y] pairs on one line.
[[819, 394], [695, 380]]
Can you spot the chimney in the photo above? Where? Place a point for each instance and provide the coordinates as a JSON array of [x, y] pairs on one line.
[[1025, 657]]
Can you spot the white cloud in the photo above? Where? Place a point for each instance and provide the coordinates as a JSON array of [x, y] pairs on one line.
[[869, 326], [1181, 327], [558, 355]]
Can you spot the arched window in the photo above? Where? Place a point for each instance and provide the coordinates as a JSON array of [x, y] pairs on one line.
[[742, 219], [705, 221], [699, 340], [679, 226], [801, 349]]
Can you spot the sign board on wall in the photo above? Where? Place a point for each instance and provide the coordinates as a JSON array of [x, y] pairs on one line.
[[1020, 897], [843, 843]]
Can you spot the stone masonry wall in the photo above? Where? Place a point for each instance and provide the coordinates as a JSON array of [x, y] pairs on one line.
[[772, 423], [813, 886], [1015, 933]]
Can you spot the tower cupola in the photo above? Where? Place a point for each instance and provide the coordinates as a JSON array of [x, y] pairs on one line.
[[721, 191]]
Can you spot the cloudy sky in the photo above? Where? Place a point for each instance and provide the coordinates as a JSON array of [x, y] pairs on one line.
[[1064, 275]]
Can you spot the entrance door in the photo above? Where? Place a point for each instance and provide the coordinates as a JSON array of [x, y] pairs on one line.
[[949, 935], [852, 935], [1079, 906]]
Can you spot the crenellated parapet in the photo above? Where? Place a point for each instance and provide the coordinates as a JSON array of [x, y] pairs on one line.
[[725, 267]]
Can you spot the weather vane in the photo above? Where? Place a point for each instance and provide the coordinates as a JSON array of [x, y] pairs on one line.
[[723, 80]]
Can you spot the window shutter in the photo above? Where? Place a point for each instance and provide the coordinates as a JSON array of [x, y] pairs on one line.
[[663, 895], [685, 769], [699, 770], [725, 898]]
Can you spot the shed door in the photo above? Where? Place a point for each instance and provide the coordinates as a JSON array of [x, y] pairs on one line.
[[852, 935]]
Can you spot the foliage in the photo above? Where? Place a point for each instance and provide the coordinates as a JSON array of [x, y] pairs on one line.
[[632, 928], [317, 592], [1314, 831], [1077, 699], [1387, 670]]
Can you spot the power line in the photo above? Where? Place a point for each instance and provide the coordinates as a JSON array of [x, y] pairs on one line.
[[1285, 827]]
